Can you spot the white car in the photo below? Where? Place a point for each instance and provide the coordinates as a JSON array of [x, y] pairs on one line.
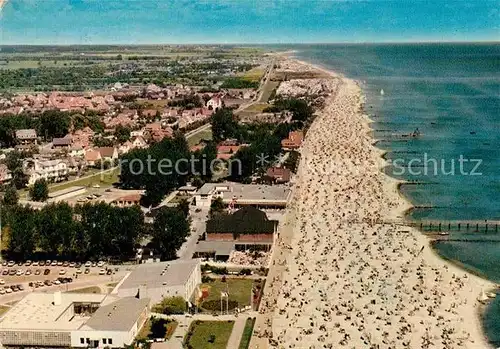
[[100, 264], [8, 290], [102, 272], [53, 264], [62, 272], [2, 291], [88, 264], [35, 263], [2, 282], [28, 272], [57, 282], [11, 263], [19, 272], [78, 271]]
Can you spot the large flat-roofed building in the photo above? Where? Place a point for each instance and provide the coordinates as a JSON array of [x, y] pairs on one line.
[[162, 279], [240, 195], [73, 320]]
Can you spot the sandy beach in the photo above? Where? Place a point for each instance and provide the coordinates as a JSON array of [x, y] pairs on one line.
[[343, 274]]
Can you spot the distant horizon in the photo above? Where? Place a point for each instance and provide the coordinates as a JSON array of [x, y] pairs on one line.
[[262, 44]]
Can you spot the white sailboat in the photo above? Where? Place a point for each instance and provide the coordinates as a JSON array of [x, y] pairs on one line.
[[382, 92]]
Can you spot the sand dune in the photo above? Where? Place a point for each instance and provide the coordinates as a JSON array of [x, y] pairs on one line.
[[341, 278]]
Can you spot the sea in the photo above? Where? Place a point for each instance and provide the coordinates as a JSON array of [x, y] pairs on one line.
[[436, 113]]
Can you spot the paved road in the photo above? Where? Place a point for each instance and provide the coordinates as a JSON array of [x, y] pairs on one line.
[[198, 225]]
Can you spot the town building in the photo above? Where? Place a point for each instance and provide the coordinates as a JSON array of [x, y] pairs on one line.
[[50, 170], [128, 200], [77, 320], [240, 195], [278, 174], [294, 140], [214, 103], [26, 136], [162, 279]]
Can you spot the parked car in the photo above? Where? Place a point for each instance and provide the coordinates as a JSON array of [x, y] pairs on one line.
[[4, 263], [87, 270], [14, 288], [47, 262], [79, 271], [46, 272], [100, 264], [38, 272], [66, 264], [60, 264], [72, 264], [57, 282], [12, 272], [102, 272], [19, 272], [2, 291], [109, 272], [88, 264], [78, 265], [48, 282], [62, 272], [54, 264], [8, 290], [28, 263], [11, 263], [27, 272], [20, 287], [5, 272], [35, 264], [41, 263], [2, 282]]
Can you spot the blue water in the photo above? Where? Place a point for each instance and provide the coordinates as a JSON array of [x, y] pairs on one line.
[[451, 93]]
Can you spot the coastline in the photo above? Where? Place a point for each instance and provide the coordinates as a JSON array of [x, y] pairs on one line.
[[295, 254], [2, 4]]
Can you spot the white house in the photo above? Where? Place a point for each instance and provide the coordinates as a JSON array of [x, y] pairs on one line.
[[214, 103], [50, 170]]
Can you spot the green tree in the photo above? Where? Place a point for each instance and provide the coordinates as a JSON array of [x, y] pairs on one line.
[[217, 207], [54, 123], [224, 125], [39, 191], [10, 196], [56, 229], [170, 229], [171, 306], [14, 162], [122, 133], [22, 224], [184, 206]]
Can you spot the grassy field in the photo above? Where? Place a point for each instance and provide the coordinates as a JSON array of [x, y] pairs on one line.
[[209, 334], [103, 180], [239, 290], [91, 289], [196, 138], [255, 108], [247, 333], [254, 74]]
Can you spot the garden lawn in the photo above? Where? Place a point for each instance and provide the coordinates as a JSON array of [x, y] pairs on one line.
[[200, 332], [247, 333], [239, 290]]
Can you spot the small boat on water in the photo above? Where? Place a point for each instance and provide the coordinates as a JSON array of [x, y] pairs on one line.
[[382, 92]]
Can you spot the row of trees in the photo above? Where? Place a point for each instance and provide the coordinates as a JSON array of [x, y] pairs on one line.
[[165, 166], [89, 231]]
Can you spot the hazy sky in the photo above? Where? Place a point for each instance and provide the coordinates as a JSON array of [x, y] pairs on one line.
[[247, 21]]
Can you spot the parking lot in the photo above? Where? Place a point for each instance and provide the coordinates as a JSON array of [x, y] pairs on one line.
[[17, 277]]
